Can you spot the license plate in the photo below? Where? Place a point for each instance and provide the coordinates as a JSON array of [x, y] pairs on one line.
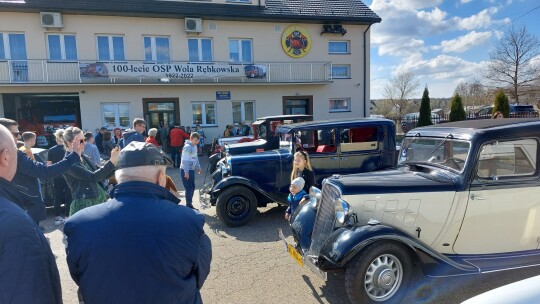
[[295, 255]]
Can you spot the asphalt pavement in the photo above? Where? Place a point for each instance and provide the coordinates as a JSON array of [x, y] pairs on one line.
[[250, 265]]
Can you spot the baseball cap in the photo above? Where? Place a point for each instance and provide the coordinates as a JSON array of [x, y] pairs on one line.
[[141, 154], [298, 183]]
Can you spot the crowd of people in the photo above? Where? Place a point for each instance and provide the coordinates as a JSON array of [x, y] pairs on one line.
[[118, 242], [114, 238]]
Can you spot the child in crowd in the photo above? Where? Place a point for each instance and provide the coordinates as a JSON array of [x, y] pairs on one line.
[[296, 195]]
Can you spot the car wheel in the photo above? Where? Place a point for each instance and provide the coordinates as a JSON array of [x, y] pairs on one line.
[[380, 274], [236, 206]]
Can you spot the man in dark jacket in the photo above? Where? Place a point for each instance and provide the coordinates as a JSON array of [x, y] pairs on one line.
[[139, 126], [99, 139], [139, 246], [29, 172], [28, 272]]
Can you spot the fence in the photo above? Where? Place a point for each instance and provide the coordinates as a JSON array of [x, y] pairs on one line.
[[405, 124]]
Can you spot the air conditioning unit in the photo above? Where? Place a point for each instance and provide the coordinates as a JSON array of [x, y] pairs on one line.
[[51, 20], [193, 25]]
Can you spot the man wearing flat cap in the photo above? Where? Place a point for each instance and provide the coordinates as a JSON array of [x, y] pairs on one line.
[[139, 246]]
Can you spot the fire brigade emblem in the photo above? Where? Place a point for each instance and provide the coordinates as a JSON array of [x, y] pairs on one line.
[[296, 41]]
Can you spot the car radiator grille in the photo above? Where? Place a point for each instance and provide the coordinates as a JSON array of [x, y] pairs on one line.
[[326, 218]]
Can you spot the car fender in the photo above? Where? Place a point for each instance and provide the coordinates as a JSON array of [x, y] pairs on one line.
[[347, 242], [238, 180], [302, 225]]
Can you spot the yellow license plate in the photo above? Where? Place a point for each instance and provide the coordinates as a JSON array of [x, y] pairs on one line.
[[295, 255]]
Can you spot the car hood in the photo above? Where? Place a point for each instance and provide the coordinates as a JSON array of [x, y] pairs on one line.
[[400, 180], [245, 147], [258, 156]]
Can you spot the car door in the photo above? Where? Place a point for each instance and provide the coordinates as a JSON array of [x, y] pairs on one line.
[[359, 149], [503, 210]]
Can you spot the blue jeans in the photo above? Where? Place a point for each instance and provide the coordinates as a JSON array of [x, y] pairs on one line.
[[175, 156], [189, 185]]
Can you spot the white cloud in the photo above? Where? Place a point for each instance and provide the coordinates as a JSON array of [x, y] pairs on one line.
[[465, 1], [481, 20], [463, 43]]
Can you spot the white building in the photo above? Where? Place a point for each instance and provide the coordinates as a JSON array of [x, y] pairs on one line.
[[102, 63]]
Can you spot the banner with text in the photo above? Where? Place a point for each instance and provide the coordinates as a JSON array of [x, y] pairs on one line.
[[169, 70]]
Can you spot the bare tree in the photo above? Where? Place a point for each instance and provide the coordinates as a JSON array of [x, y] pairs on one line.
[[473, 94], [400, 90], [512, 61]]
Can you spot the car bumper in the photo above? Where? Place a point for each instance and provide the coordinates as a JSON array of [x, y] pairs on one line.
[[205, 199], [302, 260]]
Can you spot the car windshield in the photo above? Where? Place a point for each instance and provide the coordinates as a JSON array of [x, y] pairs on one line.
[[442, 152]]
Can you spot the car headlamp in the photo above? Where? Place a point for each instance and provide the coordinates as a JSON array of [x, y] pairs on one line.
[[342, 209], [315, 196]]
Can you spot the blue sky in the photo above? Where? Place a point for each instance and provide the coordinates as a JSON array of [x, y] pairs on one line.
[[413, 32]]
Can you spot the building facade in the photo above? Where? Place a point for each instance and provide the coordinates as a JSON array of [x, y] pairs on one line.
[[103, 63]]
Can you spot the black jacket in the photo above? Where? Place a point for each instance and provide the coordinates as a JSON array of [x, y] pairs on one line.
[[138, 247], [83, 182], [309, 178], [28, 174], [28, 272]]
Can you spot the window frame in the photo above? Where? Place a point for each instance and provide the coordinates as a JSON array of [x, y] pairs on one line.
[[116, 114], [348, 66], [202, 121], [347, 99], [347, 42], [6, 45], [200, 49], [240, 52], [243, 110], [153, 48], [110, 39], [62, 47]]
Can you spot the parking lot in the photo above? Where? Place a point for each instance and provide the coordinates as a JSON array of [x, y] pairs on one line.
[[250, 265]]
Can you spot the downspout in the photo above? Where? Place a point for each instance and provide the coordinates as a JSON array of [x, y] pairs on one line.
[[365, 70]]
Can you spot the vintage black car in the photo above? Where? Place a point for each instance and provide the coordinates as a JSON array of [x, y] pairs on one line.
[[463, 200], [243, 182]]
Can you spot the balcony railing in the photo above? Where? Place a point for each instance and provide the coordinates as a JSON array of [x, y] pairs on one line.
[[92, 72]]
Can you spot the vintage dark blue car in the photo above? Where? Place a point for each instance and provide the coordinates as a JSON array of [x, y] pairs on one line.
[[243, 182], [463, 200]]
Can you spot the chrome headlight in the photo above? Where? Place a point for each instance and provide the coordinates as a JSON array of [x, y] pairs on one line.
[[342, 210], [315, 196], [226, 166]]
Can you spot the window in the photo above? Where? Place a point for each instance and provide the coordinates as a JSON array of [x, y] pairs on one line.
[[115, 115], [243, 111], [205, 112], [111, 48], [507, 159], [341, 71], [340, 105], [338, 47], [200, 49], [359, 139], [240, 51], [239, 1], [12, 46], [156, 49], [62, 47]]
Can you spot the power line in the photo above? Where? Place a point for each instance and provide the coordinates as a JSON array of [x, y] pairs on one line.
[[460, 47]]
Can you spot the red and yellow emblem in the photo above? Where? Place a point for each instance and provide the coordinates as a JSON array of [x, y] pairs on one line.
[[296, 41]]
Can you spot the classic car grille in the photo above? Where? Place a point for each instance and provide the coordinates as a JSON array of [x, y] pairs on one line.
[[326, 218]]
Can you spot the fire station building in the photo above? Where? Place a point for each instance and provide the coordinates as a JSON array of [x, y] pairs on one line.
[[214, 62]]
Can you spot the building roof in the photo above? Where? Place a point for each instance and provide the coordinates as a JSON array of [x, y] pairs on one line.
[[327, 11]]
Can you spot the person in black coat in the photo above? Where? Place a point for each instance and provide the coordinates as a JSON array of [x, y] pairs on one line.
[[302, 168], [62, 194], [28, 271], [29, 172]]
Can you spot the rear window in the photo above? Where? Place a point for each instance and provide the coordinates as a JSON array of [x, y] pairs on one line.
[[528, 108]]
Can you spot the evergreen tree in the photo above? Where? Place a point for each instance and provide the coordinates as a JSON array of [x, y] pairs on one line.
[[425, 110], [501, 104], [457, 112]]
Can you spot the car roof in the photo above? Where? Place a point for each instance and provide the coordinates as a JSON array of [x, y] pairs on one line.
[[334, 123], [467, 128], [285, 117]]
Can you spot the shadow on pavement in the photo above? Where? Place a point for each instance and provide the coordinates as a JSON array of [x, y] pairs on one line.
[[263, 227]]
